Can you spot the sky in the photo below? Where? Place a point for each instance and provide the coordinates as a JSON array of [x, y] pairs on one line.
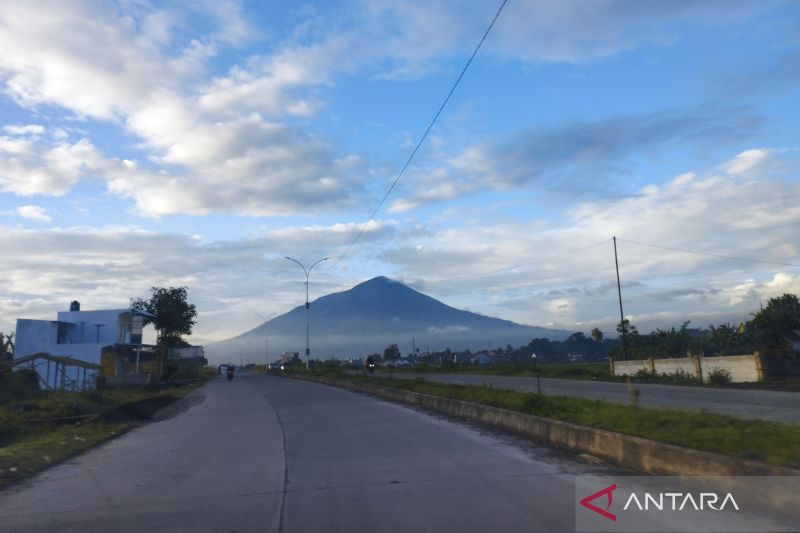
[[197, 144]]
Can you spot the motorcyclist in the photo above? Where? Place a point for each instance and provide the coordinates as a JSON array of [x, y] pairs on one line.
[[370, 364], [230, 372]]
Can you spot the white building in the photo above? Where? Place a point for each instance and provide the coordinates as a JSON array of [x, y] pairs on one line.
[[77, 334]]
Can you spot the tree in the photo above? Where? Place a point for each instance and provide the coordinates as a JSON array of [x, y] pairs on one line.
[[628, 336], [597, 335], [391, 354], [174, 315], [6, 352], [772, 325], [6, 347]]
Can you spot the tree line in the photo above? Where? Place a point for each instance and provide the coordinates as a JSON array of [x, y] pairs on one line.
[[770, 331]]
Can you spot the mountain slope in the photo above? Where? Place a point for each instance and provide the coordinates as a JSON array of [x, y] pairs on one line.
[[370, 316]]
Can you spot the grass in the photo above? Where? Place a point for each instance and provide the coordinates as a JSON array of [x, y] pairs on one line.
[[41, 449], [596, 372], [770, 442], [599, 371], [47, 427]]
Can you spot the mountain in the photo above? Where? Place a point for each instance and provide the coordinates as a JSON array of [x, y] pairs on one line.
[[369, 317]]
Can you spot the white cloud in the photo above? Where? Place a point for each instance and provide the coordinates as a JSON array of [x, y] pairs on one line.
[[751, 216], [574, 30], [29, 167], [29, 129], [448, 329], [34, 212], [747, 162], [226, 144], [228, 280], [215, 147], [574, 156]]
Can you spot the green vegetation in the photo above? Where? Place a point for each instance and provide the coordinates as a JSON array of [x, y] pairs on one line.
[[598, 371], [769, 331], [38, 429], [719, 376], [760, 440], [391, 354], [47, 447], [679, 377], [6, 348], [174, 315]]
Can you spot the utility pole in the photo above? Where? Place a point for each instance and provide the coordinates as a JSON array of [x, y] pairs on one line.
[[621, 314], [308, 305]]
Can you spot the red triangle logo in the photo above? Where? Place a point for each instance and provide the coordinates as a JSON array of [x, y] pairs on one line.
[[608, 492]]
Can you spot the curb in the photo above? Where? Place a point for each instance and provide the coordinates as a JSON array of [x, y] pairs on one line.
[[635, 453]]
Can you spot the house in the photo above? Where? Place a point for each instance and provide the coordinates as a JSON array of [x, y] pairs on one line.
[[81, 339]]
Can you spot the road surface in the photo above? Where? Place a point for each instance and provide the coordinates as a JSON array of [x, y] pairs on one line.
[[266, 453], [767, 405]]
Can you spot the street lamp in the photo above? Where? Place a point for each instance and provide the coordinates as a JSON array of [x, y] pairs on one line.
[[308, 305], [266, 337]]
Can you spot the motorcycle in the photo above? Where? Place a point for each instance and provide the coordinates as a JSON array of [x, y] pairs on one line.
[[230, 373]]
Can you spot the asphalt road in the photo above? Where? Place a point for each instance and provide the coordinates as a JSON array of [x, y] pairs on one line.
[[269, 454], [767, 405]]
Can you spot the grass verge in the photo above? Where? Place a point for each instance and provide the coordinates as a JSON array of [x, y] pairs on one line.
[[593, 371], [49, 427], [759, 440], [596, 372]]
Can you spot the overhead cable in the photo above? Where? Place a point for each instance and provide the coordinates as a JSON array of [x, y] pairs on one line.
[[424, 136], [720, 256]]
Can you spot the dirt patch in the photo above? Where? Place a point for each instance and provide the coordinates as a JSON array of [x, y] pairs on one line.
[[138, 410], [181, 406]]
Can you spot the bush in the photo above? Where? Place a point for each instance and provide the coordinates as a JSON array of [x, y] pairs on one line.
[[11, 428], [18, 385], [719, 376], [679, 377], [645, 374]]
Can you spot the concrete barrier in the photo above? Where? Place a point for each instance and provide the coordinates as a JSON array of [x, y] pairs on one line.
[[635, 453], [742, 368]]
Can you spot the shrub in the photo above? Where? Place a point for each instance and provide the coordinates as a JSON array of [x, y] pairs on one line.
[[11, 428], [679, 377], [18, 385], [719, 376]]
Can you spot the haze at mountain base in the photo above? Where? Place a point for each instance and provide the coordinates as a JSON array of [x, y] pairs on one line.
[[369, 317]]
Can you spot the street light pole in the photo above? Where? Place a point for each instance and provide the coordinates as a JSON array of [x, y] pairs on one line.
[[266, 337], [308, 305]]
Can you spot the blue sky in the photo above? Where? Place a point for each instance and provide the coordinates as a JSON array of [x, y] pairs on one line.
[[149, 143]]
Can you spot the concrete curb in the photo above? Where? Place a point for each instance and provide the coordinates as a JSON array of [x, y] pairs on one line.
[[636, 453]]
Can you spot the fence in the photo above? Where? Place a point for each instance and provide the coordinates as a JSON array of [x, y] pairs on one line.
[[742, 368]]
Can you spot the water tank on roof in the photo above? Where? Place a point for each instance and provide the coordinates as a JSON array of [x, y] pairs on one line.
[[75, 306]]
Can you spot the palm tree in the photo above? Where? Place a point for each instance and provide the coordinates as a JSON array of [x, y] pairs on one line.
[[6, 347]]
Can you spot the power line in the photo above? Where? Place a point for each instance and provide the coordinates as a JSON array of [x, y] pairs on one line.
[[731, 257], [424, 135], [542, 260]]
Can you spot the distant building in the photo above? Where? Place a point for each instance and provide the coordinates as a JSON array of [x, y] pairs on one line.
[[84, 336]]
